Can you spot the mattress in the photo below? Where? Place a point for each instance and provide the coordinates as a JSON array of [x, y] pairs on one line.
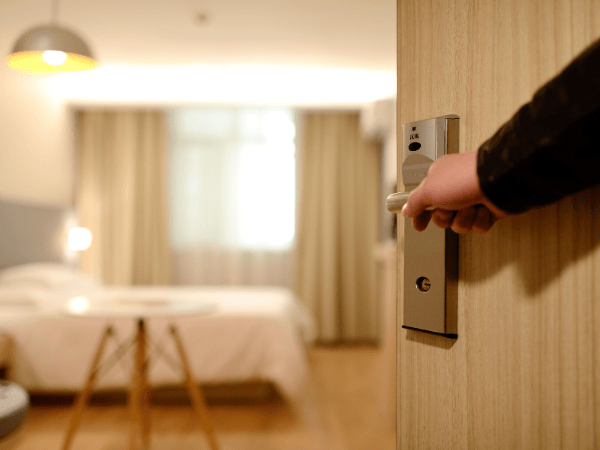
[[243, 334]]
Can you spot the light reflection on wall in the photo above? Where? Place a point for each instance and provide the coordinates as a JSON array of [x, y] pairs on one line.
[[230, 84]]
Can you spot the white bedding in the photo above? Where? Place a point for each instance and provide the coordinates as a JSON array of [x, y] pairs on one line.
[[248, 334]]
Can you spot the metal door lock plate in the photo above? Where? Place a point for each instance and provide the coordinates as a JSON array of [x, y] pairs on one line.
[[430, 256]]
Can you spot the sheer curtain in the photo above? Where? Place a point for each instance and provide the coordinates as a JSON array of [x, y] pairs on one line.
[[337, 231], [232, 195], [121, 196]]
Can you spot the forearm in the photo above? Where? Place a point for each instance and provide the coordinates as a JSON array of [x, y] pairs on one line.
[[551, 146]]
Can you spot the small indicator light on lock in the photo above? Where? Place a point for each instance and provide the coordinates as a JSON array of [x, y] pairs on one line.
[[423, 284], [414, 146]]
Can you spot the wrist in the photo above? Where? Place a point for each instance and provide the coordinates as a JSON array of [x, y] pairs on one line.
[[484, 200]]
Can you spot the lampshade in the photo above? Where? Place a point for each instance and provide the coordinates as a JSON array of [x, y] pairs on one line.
[[79, 238], [49, 49]]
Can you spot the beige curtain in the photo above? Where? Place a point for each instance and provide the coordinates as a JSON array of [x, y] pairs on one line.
[[226, 266], [122, 196], [337, 232]]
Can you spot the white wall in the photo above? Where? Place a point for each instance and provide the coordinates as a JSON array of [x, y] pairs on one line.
[[36, 142], [37, 135]]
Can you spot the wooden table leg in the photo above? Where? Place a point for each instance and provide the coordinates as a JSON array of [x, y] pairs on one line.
[[144, 391], [195, 394], [84, 395], [139, 393]]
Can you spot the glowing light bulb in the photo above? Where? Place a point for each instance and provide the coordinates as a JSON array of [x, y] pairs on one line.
[[54, 57], [80, 238]]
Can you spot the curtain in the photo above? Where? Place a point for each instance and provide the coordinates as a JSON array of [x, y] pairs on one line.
[[231, 195], [337, 230], [121, 196], [227, 266]]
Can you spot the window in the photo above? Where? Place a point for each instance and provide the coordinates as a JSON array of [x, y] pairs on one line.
[[232, 178]]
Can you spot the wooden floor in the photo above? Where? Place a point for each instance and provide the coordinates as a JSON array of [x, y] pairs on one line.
[[344, 409]]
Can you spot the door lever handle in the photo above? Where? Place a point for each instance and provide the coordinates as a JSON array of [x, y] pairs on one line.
[[395, 202]]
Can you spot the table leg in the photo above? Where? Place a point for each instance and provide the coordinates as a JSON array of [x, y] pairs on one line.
[[145, 392], [139, 394], [195, 394], [84, 395]]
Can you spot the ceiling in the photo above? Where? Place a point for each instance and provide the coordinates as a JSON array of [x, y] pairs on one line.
[[178, 50]]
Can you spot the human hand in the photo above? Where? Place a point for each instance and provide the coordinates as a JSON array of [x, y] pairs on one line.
[[452, 187]]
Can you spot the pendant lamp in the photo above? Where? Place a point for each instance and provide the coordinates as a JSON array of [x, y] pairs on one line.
[[49, 49]]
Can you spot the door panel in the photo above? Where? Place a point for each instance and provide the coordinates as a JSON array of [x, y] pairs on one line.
[[524, 370]]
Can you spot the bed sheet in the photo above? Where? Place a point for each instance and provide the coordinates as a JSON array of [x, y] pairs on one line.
[[251, 334]]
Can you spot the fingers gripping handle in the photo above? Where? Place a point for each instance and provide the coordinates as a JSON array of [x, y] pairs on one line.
[[395, 202]]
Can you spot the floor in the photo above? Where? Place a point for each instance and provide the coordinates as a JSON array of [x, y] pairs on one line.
[[347, 407]]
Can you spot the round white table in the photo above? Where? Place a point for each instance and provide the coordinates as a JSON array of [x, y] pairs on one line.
[[111, 307]]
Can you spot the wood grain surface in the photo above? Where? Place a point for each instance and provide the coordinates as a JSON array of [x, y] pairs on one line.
[[524, 370], [341, 410]]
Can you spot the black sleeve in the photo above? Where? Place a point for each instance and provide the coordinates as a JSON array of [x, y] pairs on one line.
[[551, 147]]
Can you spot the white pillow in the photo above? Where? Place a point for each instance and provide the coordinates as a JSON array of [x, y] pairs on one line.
[[45, 275]]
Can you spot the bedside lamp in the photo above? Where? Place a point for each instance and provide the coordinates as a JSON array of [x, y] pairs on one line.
[[79, 238]]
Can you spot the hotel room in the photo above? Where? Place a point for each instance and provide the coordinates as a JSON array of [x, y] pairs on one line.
[[230, 162]]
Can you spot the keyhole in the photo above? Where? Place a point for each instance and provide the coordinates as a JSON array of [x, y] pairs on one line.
[[423, 284]]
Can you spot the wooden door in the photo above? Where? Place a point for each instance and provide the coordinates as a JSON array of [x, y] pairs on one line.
[[524, 372]]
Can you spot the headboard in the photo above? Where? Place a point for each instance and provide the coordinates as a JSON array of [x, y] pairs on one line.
[[33, 233]]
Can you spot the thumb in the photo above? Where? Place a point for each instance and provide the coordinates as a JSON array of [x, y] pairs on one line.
[[416, 204]]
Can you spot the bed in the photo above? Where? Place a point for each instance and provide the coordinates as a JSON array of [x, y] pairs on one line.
[[245, 336]]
